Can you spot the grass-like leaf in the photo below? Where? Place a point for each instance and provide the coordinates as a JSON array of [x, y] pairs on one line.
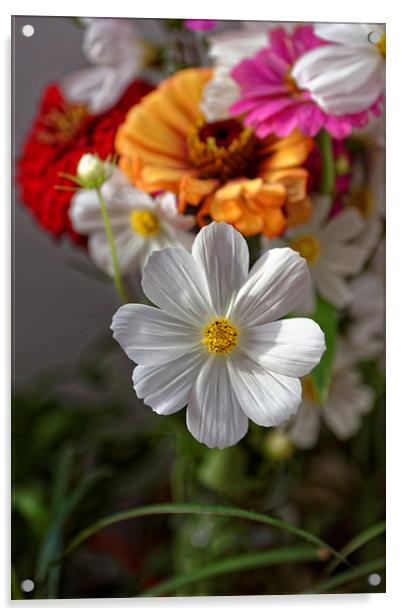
[[196, 509], [242, 562], [356, 543]]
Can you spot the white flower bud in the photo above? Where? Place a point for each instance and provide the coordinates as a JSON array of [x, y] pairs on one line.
[[92, 171]]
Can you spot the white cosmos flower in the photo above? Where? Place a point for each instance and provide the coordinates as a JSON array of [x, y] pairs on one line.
[[348, 400], [328, 247], [139, 222], [367, 331], [346, 76], [117, 52], [216, 342]]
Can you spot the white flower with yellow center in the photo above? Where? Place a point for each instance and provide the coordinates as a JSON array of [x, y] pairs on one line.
[[346, 76], [348, 400], [118, 54], [327, 246], [215, 342], [140, 223]]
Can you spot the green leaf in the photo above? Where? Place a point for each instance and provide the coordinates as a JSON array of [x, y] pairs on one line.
[[372, 566], [242, 562], [326, 317], [356, 543], [188, 508]]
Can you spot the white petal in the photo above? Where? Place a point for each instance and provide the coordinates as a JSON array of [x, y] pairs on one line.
[[166, 388], [351, 35], [348, 400], [222, 253], [343, 259], [129, 248], [267, 398], [305, 427], [345, 226], [277, 283], [214, 416], [340, 79], [291, 346], [173, 281], [333, 288], [151, 337], [99, 87]]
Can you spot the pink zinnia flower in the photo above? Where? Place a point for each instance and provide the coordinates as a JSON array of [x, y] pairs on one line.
[[271, 100], [200, 24]]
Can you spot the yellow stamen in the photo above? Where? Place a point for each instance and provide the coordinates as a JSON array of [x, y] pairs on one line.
[[307, 246], [220, 336], [144, 222], [362, 200], [382, 45]]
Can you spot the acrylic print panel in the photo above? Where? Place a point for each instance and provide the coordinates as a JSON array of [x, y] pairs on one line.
[[198, 384]]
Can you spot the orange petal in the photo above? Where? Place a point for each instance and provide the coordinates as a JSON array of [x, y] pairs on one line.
[[192, 190], [299, 212], [294, 181]]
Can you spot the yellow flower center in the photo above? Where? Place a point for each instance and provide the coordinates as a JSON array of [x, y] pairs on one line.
[[307, 246], [220, 336], [382, 45], [221, 149], [309, 390], [144, 222], [61, 125], [362, 200]]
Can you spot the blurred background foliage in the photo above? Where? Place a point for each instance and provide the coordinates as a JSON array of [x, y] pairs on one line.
[[83, 447]]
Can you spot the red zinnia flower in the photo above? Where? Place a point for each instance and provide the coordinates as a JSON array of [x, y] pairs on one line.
[[61, 133]]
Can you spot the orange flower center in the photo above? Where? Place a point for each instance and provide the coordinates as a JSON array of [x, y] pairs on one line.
[[307, 246], [382, 45], [60, 125], [221, 149]]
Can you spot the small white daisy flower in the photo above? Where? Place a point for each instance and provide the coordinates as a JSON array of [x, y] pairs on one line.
[[215, 343], [348, 400], [140, 223], [346, 76], [117, 51], [327, 246]]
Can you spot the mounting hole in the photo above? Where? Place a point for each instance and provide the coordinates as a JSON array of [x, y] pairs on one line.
[[374, 579], [28, 30], [27, 585], [374, 37]]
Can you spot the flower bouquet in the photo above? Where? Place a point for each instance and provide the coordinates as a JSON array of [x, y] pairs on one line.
[[228, 180]]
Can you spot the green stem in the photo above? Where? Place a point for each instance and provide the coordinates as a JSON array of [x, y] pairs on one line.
[[118, 283], [242, 562], [189, 508], [324, 141]]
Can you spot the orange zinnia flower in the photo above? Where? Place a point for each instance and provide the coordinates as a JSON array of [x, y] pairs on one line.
[[257, 185]]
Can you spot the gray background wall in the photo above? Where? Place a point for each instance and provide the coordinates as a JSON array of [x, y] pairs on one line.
[[58, 310]]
